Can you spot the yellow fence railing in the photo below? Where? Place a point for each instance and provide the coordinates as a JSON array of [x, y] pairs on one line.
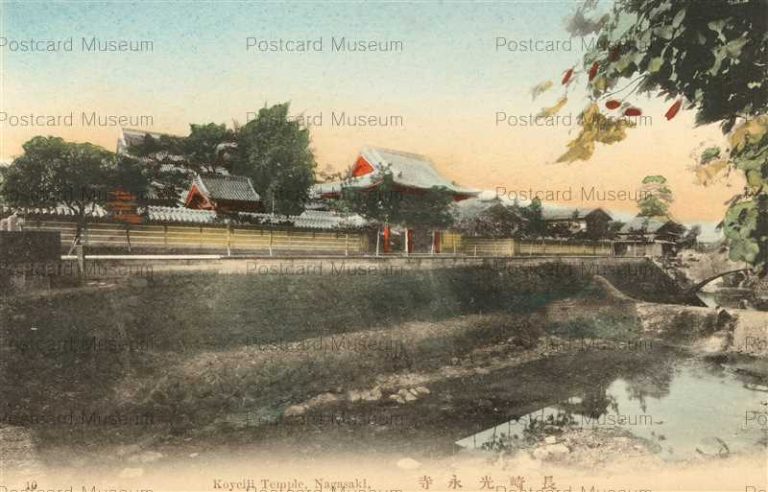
[[243, 239], [478, 246], [190, 237]]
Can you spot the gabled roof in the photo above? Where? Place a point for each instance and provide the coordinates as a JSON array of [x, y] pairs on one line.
[[219, 187], [471, 208], [135, 136], [408, 170], [649, 225], [411, 170]]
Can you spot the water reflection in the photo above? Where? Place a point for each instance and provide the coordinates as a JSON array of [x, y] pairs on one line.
[[683, 409]]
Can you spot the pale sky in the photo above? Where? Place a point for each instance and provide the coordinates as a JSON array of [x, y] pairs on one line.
[[448, 81]]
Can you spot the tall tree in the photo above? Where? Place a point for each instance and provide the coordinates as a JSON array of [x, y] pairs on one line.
[[80, 176], [207, 149], [535, 226], [388, 205], [274, 151], [655, 198], [710, 58], [271, 149], [172, 160]]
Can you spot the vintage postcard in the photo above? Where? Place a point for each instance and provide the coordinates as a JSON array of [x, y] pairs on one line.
[[383, 246]]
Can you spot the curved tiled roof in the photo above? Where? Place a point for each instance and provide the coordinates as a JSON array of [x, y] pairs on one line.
[[227, 188], [412, 170], [310, 219], [408, 169], [153, 214], [96, 211], [180, 215]]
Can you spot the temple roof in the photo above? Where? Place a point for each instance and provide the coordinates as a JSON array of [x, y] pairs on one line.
[[219, 187], [408, 170], [134, 136]]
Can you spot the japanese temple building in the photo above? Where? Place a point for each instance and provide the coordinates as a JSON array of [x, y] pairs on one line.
[[223, 193], [411, 173]]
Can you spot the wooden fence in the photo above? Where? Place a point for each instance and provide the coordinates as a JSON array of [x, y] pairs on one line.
[[477, 246], [218, 239]]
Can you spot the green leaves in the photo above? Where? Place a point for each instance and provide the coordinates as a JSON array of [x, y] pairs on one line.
[[739, 226], [274, 151], [387, 204], [541, 88], [655, 64], [715, 60], [595, 127], [53, 172], [656, 197], [553, 110], [679, 16]]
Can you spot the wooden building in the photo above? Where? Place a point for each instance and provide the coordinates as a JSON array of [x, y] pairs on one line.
[[412, 174], [577, 222], [223, 194], [662, 232]]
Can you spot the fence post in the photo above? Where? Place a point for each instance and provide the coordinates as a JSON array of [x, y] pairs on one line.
[[475, 250], [270, 242], [128, 236], [229, 238], [165, 236], [80, 260], [432, 248], [346, 244]]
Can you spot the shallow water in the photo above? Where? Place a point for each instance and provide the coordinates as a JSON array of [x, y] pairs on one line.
[[703, 408]]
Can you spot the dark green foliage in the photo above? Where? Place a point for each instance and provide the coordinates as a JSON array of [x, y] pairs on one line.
[[387, 204], [707, 57], [272, 149], [656, 197], [534, 227], [275, 153], [498, 220], [80, 176]]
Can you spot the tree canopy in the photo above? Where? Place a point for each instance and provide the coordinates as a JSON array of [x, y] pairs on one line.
[[655, 198], [274, 151], [386, 204], [271, 149], [53, 172], [498, 220], [711, 58]]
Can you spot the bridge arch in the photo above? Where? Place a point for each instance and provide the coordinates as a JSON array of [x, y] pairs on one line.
[[700, 285]]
